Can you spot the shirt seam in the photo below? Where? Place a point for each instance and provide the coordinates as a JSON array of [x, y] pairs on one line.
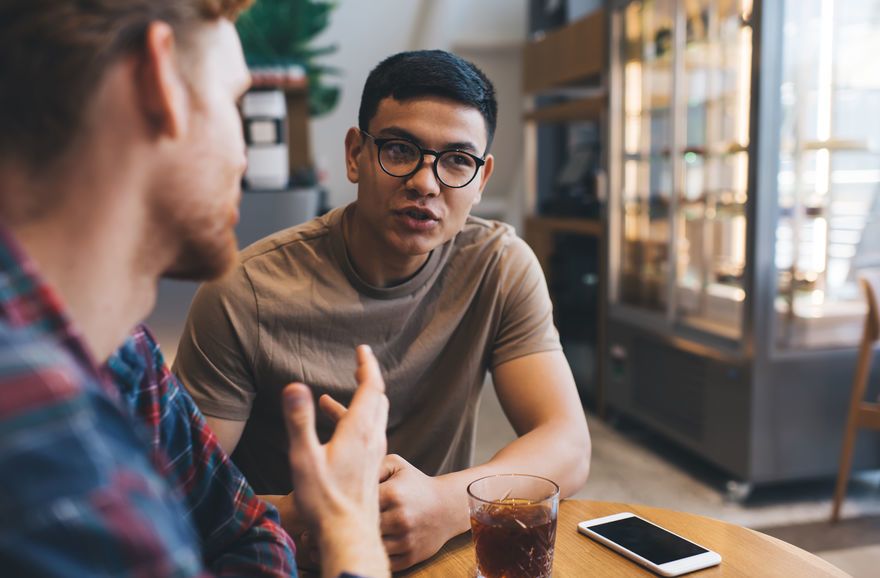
[[256, 349]]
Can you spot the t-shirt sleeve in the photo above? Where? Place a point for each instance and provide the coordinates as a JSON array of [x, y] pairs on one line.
[[216, 354], [526, 317]]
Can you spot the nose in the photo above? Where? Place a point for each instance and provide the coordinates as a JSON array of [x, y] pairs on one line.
[[424, 181]]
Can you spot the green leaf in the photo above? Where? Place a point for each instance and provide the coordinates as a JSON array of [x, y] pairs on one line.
[[279, 33], [323, 100]]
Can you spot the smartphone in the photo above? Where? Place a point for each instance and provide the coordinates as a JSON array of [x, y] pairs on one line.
[[648, 544]]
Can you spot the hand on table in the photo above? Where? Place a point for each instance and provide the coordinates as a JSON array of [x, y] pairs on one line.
[[417, 517], [336, 492]]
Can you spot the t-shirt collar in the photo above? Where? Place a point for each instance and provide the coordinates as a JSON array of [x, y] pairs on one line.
[[411, 285]]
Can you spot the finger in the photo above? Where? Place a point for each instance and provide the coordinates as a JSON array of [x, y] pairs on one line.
[[305, 552], [299, 417], [387, 469], [400, 562], [332, 408], [391, 522], [369, 401], [396, 544], [368, 371]]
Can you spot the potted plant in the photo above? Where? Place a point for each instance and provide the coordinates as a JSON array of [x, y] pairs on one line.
[[276, 36]]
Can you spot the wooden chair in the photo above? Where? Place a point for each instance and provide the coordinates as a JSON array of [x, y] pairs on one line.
[[862, 414]]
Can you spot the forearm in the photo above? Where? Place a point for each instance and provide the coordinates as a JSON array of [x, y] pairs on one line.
[[293, 524], [286, 507], [557, 451], [345, 545], [348, 546]]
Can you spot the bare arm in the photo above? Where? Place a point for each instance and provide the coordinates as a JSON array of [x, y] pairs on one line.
[[539, 397], [228, 432], [420, 513]]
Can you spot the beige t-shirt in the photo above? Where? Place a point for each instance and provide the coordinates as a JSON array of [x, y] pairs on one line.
[[295, 309]]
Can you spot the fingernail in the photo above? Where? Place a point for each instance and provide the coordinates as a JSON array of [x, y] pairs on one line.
[[367, 348], [292, 400]]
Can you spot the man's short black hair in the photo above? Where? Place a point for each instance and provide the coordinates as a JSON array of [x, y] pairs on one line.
[[422, 73]]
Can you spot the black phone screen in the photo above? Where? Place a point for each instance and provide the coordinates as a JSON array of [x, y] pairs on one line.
[[647, 540]]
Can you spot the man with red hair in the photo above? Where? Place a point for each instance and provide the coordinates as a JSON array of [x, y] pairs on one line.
[[121, 156]]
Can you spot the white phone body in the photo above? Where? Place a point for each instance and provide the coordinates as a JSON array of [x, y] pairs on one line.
[[662, 551]]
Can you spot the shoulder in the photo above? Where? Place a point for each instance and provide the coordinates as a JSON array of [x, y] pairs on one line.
[[138, 368], [272, 258], [290, 239], [50, 413], [495, 241], [78, 487], [35, 376]]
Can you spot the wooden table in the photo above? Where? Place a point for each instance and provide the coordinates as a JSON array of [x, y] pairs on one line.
[[743, 552]]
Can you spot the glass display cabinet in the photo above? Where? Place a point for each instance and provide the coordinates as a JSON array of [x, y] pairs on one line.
[[744, 199]]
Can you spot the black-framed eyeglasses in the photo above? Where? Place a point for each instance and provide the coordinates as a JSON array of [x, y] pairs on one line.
[[400, 157]]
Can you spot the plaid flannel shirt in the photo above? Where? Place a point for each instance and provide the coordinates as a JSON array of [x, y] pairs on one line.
[[240, 534], [82, 492]]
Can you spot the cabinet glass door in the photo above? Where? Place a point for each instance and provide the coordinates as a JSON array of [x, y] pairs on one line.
[[829, 177], [647, 59], [714, 161]]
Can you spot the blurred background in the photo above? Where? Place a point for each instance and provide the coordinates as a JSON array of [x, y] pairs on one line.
[[700, 180]]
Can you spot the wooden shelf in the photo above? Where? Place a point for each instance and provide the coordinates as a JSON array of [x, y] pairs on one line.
[[569, 64], [573, 54], [582, 226], [590, 108], [539, 233]]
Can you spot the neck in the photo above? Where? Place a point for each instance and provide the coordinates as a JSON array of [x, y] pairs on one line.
[[373, 262], [85, 250]]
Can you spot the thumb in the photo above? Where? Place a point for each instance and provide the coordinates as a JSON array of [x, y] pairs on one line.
[[387, 468], [299, 417]]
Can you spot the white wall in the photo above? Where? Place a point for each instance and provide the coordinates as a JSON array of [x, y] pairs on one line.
[[487, 32]]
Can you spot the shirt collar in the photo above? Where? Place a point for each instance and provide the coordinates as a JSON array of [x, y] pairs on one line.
[[128, 364]]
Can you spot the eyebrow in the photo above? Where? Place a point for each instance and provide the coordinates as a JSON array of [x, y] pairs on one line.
[[394, 131]]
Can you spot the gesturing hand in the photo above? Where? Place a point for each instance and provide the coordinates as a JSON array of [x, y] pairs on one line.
[[417, 511], [335, 484]]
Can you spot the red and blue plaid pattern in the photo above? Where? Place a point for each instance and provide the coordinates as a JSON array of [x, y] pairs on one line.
[[240, 534], [83, 492]]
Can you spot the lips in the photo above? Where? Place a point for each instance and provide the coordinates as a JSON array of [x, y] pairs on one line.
[[418, 213]]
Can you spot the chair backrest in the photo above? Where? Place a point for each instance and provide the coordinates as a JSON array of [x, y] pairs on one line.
[[870, 279]]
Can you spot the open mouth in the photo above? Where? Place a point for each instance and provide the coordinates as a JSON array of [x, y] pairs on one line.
[[419, 214]]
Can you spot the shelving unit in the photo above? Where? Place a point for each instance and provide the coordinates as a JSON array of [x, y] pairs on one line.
[[567, 66], [590, 108], [743, 192]]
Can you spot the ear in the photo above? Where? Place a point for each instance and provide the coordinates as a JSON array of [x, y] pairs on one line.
[[354, 146], [162, 91], [485, 173]]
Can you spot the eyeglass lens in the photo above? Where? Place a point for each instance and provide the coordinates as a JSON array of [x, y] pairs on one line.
[[401, 158]]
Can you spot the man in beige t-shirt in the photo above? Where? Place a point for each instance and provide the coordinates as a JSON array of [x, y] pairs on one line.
[[442, 298]]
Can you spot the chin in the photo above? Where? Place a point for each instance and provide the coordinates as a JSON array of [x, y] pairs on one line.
[[204, 261]]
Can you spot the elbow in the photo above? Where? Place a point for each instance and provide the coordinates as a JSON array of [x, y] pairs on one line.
[[579, 469], [583, 469]]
